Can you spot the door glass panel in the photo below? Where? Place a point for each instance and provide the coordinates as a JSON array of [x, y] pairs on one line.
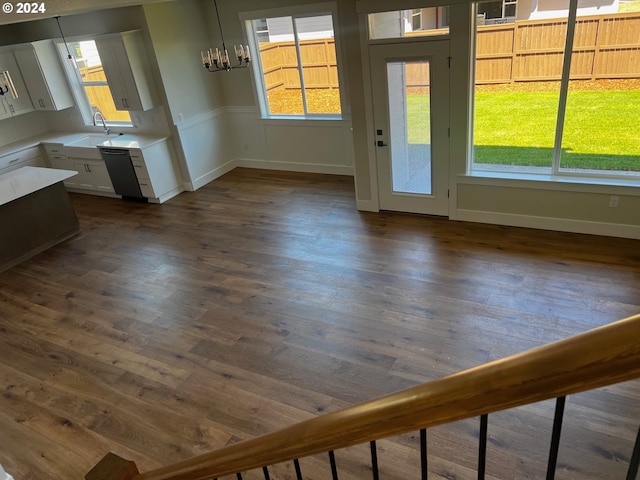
[[410, 126]]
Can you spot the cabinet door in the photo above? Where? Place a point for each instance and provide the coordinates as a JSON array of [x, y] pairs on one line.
[[22, 104], [127, 70], [92, 175], [99, 176], [63, 163], [43, 76], [111, 53]]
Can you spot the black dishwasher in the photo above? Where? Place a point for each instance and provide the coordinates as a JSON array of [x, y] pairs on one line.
[[122, 173]]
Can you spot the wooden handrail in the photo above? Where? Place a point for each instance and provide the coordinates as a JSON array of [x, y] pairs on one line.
[[600, 357]]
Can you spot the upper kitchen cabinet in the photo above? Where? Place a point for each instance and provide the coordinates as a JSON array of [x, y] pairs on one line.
[[10, 106], [127, 70], [42, 71]]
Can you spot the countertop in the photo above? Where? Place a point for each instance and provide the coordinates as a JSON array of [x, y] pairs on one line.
[[26, 180], [67, 138]]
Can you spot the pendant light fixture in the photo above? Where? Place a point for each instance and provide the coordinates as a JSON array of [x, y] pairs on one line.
[[57, 17], [218, 60]]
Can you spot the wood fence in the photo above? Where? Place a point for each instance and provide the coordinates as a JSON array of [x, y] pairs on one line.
[[280, 64], [605, 47], [100, 96]]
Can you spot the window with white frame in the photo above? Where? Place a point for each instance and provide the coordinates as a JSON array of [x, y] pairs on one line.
[[555, 110], [89, 84], [296, 67], [416, 19], [497, 11]]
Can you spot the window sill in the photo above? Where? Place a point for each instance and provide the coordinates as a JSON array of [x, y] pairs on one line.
[[298, 120], [546, 181]]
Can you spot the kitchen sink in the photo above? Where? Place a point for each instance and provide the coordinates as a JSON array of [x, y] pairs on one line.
[[92, 140]]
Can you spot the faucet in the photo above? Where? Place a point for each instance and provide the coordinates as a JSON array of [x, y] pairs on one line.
[[104, 124]]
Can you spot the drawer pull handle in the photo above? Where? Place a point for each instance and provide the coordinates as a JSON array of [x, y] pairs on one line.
[[15, 160]]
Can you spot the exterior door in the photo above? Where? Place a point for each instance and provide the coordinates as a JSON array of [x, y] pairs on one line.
[[411, 109]]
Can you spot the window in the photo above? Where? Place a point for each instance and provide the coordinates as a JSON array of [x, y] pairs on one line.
[[497, 12], [416, 19], [296, 67], [409, 23], [90, 84], [542, 109]]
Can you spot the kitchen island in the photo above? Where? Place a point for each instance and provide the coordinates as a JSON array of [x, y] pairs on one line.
[[35, 213]]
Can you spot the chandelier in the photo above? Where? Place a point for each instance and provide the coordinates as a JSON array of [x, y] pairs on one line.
[[218, 60]]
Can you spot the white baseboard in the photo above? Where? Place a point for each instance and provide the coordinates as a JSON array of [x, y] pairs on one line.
[[549, 223], [169, 195], [213, 174], [294, 167], [367, 206]]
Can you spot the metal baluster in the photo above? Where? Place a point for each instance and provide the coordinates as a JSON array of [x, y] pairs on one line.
[[634, 463], [423, 453], [482, 449], [296, 464], [374, 460], [265, 470], [334, 470], [555, 438], [238, 476]]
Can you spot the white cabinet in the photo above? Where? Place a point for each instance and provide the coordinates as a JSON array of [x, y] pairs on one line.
[[22, 158], [58, 159], [92, 175], [127, 70], [43, 75], [157, 174], [10, 106]]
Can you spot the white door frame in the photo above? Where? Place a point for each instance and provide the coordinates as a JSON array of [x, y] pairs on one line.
[[437, 53]]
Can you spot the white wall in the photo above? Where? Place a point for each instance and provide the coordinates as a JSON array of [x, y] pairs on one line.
[[543, 9]]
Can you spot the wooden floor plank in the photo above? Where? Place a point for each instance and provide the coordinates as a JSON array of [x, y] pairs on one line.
[[265, 298]]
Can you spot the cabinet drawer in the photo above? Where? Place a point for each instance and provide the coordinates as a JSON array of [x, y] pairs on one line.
[[53, 149], [19, 157], [140, 169], [146, 188]]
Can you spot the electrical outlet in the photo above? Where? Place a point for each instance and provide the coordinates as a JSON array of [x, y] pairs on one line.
[[613, 201]]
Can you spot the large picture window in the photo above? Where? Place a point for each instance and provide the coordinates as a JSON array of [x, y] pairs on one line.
[[296, 67], [540, 107]]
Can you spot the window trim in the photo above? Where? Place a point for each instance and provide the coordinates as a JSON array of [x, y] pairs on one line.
[[77, 84], [259, 87]]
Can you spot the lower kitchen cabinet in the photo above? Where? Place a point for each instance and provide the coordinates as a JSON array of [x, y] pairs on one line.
[[22, 158], [92, 175]]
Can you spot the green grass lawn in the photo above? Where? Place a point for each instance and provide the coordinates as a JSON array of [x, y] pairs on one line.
[[601, 129]]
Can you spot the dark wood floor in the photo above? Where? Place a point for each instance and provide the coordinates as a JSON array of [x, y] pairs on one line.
[[265, 298]]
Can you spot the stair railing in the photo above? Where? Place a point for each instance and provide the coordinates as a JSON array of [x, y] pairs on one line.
[[603, 356]]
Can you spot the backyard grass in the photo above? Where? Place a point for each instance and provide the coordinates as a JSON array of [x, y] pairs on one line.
[[600, 130], [518, 128]]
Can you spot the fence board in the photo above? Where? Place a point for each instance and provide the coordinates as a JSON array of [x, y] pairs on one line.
[[605, 46]]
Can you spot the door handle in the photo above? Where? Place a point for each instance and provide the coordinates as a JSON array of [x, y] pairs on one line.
[[380, 143]]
